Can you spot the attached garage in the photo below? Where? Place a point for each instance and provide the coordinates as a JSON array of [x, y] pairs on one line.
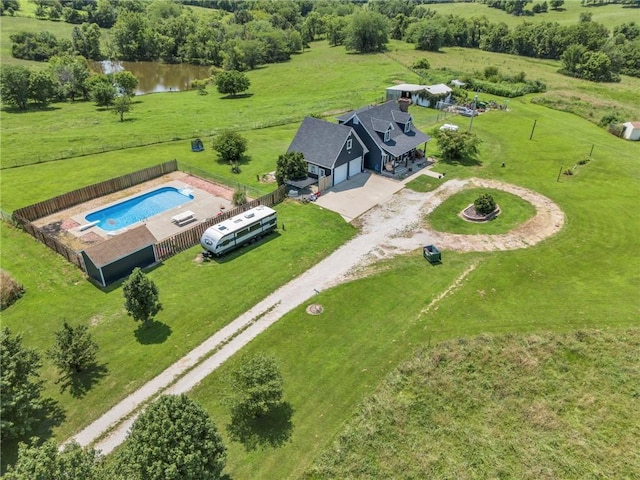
[[115, 258], [355, 167], [340, 174]]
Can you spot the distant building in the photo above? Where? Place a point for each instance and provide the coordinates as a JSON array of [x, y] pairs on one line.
[[422, 95], [631, 130]]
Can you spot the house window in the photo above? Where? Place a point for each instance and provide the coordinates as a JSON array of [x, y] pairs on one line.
[[355, 120], [349, 143], [387, 135], [313, 169], [407, 127]]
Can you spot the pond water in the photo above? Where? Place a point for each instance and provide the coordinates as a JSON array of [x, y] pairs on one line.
[[154, 77]]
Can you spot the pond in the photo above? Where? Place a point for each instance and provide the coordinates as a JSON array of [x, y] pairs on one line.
[[154, 77]]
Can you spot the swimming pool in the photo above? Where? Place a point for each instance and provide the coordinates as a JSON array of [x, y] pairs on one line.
[[138, 208]]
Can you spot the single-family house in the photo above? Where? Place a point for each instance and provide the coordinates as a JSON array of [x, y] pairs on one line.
[[330, 150], [422, 95], [631, 130], [388, 134]]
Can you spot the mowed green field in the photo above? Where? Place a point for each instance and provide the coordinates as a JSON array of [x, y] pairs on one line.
[[586, 276], [608, 15]]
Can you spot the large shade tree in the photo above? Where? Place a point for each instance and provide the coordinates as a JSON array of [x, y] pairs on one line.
[[230, 146], [367, 32], [257, 385], [20, 386], [232, 82], [173, 439], [289, 166], [47, 462]]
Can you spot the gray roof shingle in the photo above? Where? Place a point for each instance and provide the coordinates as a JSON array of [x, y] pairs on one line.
[[320, 141], [373, 117], [120, 246]]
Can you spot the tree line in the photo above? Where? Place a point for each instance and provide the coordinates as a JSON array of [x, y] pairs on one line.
[[243, 35]]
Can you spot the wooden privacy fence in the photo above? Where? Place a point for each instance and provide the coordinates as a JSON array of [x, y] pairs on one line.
[[188, 238], [81, 195], [25, 216]]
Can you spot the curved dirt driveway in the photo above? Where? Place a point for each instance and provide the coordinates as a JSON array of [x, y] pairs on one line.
[[388, 229]]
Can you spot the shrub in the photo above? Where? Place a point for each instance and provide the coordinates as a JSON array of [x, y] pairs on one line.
[[484, 204], [584, 160], [10, 290], [239, 197], [568, 172]]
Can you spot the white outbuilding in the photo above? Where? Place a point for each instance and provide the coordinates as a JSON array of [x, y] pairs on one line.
[[631, 130]]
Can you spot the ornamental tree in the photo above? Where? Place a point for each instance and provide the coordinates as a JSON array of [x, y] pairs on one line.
[[484, 204], [20, 386], [141, 297], [173, 439]]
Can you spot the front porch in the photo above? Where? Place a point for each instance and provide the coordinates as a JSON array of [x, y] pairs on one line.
[[400, 168]]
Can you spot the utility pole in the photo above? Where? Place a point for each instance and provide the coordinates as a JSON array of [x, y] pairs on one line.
[[474, 112], [532, 129]]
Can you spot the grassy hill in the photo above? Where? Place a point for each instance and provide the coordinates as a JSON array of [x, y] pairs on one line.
[[584, 277], [508, 406]]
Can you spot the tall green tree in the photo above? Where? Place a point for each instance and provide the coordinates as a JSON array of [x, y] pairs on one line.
[[46, 462], [43, 88], [257, 385], [74, 349], [14, 85], [173, 439], [126, 82], [86, 40], [102, 90], [230, 146], [367, 32], [71, 72], [290, 166], [141, 296], [232, 82], [20, 386]]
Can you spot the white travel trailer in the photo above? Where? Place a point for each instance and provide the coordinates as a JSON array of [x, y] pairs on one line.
[[239, 230]]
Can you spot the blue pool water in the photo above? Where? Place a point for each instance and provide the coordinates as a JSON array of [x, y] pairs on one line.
[[138, 208]]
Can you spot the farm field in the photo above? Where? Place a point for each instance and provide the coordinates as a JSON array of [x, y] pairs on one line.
[[587, 276]]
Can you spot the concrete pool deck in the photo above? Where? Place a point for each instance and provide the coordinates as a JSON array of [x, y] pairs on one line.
[[71, 228], [204, 205]]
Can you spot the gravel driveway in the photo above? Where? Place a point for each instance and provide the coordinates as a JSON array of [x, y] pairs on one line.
[[391, 228]]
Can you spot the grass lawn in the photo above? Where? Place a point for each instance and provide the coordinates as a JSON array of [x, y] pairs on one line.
[[198, 300], [509, 406], [370, 324], [513, 212], [586, 276]]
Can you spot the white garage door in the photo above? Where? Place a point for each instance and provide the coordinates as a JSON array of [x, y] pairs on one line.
[[355, 166], [340, 174]]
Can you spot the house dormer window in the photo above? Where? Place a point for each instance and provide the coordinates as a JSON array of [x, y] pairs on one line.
[[407, 127], [387, 135], [349, 143]]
